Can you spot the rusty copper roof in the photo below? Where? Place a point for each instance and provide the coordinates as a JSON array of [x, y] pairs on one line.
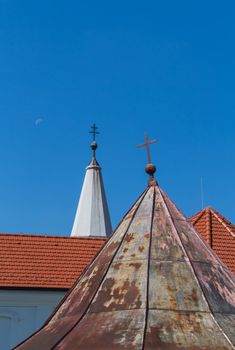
[[155, 285]]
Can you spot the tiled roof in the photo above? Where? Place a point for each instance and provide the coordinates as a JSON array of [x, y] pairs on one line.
[[38, 261], [32, 261], [218, 232]]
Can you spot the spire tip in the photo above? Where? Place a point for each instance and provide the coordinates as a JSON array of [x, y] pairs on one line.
[[150, 167], [94, 132]]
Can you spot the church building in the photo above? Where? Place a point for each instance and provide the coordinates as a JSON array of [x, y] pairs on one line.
[[36, 271], [154, 285]]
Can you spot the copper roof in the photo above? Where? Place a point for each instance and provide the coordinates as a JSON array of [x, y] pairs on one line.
[[155, 285], [33, 261], [218, 232]]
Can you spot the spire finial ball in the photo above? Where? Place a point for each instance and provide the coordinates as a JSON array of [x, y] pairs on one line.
[[94, 145], [150, 169]]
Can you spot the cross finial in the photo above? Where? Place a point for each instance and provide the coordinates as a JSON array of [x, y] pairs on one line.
[[94, 145], [94, 131], [146, 144], [150, 168]]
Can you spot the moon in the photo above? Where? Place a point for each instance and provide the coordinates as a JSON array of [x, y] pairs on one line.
[[38, 121]]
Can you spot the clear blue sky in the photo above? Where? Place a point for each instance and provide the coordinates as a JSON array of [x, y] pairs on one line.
[[166, 67]]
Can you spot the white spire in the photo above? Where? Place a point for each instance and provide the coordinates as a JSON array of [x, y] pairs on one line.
[[92, 216]]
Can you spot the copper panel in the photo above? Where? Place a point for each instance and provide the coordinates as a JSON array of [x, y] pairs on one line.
[[165, 241], [136, 242], [193, 244], [124, 288], [217, 287], [172, 286], [109, 331], [227, 321], [173, 330]]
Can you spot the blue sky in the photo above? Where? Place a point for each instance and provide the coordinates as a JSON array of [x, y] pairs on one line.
[[162, 67]]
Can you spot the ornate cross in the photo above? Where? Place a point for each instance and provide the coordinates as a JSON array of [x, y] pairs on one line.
[[94, 131], [146, 144]]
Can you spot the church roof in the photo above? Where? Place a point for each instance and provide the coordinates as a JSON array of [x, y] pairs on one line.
[[92, 216], [154, 285], [33, 261], [218, 232]]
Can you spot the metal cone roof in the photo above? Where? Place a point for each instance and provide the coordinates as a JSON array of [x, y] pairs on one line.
[[154, 286]]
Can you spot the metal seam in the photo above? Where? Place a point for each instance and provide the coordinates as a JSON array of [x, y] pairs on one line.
[[148, 272], [111, 261], [162, 309]]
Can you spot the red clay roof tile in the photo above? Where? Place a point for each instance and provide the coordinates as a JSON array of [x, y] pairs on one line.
[[37, 261], [218, 232], [30, 261]]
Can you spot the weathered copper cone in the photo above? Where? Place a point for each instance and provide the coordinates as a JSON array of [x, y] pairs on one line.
[[155, 285]]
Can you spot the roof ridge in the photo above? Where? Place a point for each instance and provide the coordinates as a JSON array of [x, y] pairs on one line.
[[51, 236], [222, 222], [196, 217], [208, 224]]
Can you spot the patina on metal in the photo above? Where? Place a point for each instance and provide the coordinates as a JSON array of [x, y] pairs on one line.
[[154, 286]]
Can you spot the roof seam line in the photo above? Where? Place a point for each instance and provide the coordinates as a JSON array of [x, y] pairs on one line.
[[148, 272], [105, 274], [164, 309]]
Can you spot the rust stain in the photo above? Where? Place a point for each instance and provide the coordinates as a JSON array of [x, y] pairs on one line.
[[136, 265], [129, 237]]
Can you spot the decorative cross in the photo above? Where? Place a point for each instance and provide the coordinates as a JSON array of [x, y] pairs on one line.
[[94, 131], [146, 144]]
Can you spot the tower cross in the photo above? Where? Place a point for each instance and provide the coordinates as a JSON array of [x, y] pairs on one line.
[[146, 144], [94, 131]]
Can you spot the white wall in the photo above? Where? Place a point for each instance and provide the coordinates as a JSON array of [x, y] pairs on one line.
[[22, 312]]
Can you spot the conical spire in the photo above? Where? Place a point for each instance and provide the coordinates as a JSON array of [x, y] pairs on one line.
[[155, 285], [92, 216]]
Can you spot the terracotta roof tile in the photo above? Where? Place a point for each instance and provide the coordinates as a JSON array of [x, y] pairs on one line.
[[218, 232], [33, 261], [38, 261]]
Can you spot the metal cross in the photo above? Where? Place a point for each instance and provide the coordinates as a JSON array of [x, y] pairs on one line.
[[146, 144], [94, 131]]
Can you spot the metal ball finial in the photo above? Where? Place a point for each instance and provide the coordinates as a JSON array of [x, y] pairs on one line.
[[150, 169], [94, 146]]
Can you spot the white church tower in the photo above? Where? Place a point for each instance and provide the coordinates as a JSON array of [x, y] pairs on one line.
[[92, 216]]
